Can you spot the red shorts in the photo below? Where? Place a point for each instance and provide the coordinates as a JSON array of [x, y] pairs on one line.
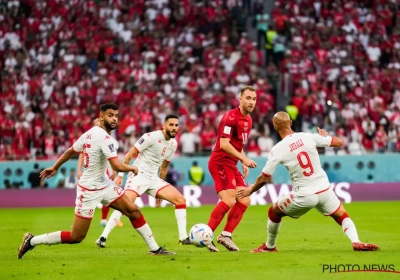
[[225, 176]]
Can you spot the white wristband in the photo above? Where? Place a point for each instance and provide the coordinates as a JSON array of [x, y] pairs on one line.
[[121, 174]]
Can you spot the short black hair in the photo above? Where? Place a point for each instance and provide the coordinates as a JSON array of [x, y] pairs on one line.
[[171, 116], [105, 107]]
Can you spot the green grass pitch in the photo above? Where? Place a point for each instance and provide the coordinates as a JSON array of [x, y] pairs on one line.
[[304, 246]]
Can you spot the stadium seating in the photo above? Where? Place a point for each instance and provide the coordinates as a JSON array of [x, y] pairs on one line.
[[61, 59], [343, 61]]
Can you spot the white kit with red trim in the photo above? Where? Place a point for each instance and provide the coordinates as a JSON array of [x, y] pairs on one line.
[[98, 147], [298, 153], [153, 151]]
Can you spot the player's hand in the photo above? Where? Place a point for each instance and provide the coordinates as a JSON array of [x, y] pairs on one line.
[[242, 193], [322, 132], [249, 163], [79, 175], [245, 171], [134, 170], [158, 202], [118, 180], [48, 173]]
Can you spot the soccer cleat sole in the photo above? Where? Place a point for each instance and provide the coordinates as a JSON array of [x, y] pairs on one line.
[[230, 247], [25, 238]]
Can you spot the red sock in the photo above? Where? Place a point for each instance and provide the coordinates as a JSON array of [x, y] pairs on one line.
[[341, 218], [66, 237], [104, 212], [217, 215], [235, 216], [139, 222], [273, 217]]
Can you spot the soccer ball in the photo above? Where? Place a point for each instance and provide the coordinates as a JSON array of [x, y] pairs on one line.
[[201, 235]]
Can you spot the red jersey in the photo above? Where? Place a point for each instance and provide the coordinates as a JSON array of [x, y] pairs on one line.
[[236, 127]]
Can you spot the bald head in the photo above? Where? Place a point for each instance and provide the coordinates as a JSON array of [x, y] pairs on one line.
[[96, 122], [281, 120]]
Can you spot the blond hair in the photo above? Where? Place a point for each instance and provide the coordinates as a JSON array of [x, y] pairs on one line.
[[243, 89]]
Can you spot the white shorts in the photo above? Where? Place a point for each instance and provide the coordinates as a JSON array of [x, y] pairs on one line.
[[325, 202], [145, 183], [87, 200]]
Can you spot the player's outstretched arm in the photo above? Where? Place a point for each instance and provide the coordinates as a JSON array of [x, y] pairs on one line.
[[336, 141], [128, 157], [122, 167], [260, 182], [227, 147], [49, 172]]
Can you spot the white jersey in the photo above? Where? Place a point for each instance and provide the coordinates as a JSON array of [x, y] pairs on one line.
[[97, 147], [153, 150], [298, 153], [109, 170]]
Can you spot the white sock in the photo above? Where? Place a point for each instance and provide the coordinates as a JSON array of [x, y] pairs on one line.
[[180, 215], [349, 228], [112, 222], [226, 233], [273, 230], [47, 239], [148, 237]]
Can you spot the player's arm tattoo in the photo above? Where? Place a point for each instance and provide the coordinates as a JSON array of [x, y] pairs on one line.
[[260, 182], [164, 169]]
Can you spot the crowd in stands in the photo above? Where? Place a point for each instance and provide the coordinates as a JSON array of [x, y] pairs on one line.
[[343, 58], [60, 59]]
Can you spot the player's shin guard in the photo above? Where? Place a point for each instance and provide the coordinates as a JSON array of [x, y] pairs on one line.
[[217, 215], [349, 228], [144, 230], [273, 226], [234, 217], [52, 238], [180, 214], [112, 222]]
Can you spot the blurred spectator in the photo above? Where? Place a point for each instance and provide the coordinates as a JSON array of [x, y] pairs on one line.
[[7, 184], [381, 139], [188, 143], [34, 177], [196, 174], [60, 178], [71, 180], [173, 175]]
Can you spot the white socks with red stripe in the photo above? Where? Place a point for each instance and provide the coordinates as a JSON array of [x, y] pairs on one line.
[[273, 230], [52, 238], [144, 230], [112, 222], [350, 230], [180, 214]]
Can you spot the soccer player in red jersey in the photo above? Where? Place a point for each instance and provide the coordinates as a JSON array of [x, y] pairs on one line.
[[233, 132]]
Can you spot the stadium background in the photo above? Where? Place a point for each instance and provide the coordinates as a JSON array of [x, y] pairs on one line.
[[332, 64]]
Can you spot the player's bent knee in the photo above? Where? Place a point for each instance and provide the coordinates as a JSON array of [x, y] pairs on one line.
[[77, 237], [246, 201], [180, 200], [230, 202], [133, 212]]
